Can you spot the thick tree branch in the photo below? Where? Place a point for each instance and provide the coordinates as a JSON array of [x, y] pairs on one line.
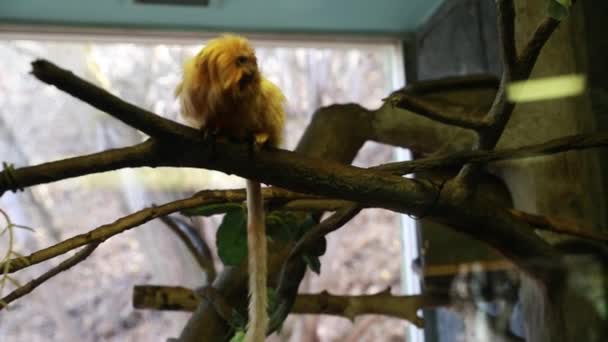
[[371, 188], [63, 266], [329, 179], [383, 303], [476, 217], [146, 154], [141, 119], [115, 159]]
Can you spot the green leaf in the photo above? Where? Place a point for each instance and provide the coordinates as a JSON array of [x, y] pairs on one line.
[[212, 209], [238, 321], [313, 263], [273, 299], [231, 238], [281, 225], [288, 226], [239, 336], [559, 9], [306, 225]]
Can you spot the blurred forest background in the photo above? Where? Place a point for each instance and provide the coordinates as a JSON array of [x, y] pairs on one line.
[[92, 301]]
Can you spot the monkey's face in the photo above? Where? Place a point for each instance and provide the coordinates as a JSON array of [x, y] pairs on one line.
[[229, 62]]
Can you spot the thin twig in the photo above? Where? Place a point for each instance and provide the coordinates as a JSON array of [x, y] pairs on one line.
[[106, 231], [527, 59], [63, 266], [559, 145], [195, 244], [138, 218], [330, 224]]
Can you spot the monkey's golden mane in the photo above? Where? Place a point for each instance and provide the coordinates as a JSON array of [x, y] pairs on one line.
[[222, 91]]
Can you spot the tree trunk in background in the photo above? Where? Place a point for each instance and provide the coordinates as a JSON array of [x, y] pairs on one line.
[[566, 185], [461, 39]]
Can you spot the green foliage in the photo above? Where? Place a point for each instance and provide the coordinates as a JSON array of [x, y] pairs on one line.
[[239, 336], [231, 237], [287, 226], [273, 299], [559, 9], [238, 322]]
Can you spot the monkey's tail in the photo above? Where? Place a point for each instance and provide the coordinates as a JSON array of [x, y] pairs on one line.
[[256, 244]]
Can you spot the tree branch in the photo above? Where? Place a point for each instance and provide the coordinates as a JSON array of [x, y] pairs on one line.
[[500, 113], [559, 145], [558, 225], [195, 244], [133, 156], [171, 298], [334, 180], [141, 119], [368, 187], [383, 303], [432, 111], [527, 59], [106, 231], [506, 34], [146, 154], [63, 266]]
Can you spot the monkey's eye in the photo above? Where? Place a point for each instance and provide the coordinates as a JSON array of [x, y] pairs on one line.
[[240, 60]]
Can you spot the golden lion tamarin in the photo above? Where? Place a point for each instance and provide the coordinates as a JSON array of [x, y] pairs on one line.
[[223, 93]]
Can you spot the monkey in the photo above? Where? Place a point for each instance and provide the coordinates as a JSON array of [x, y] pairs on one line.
[[223, 93]]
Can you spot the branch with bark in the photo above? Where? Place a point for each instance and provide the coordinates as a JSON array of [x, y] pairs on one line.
[[104, 232], [382, 303], [63, 266]]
